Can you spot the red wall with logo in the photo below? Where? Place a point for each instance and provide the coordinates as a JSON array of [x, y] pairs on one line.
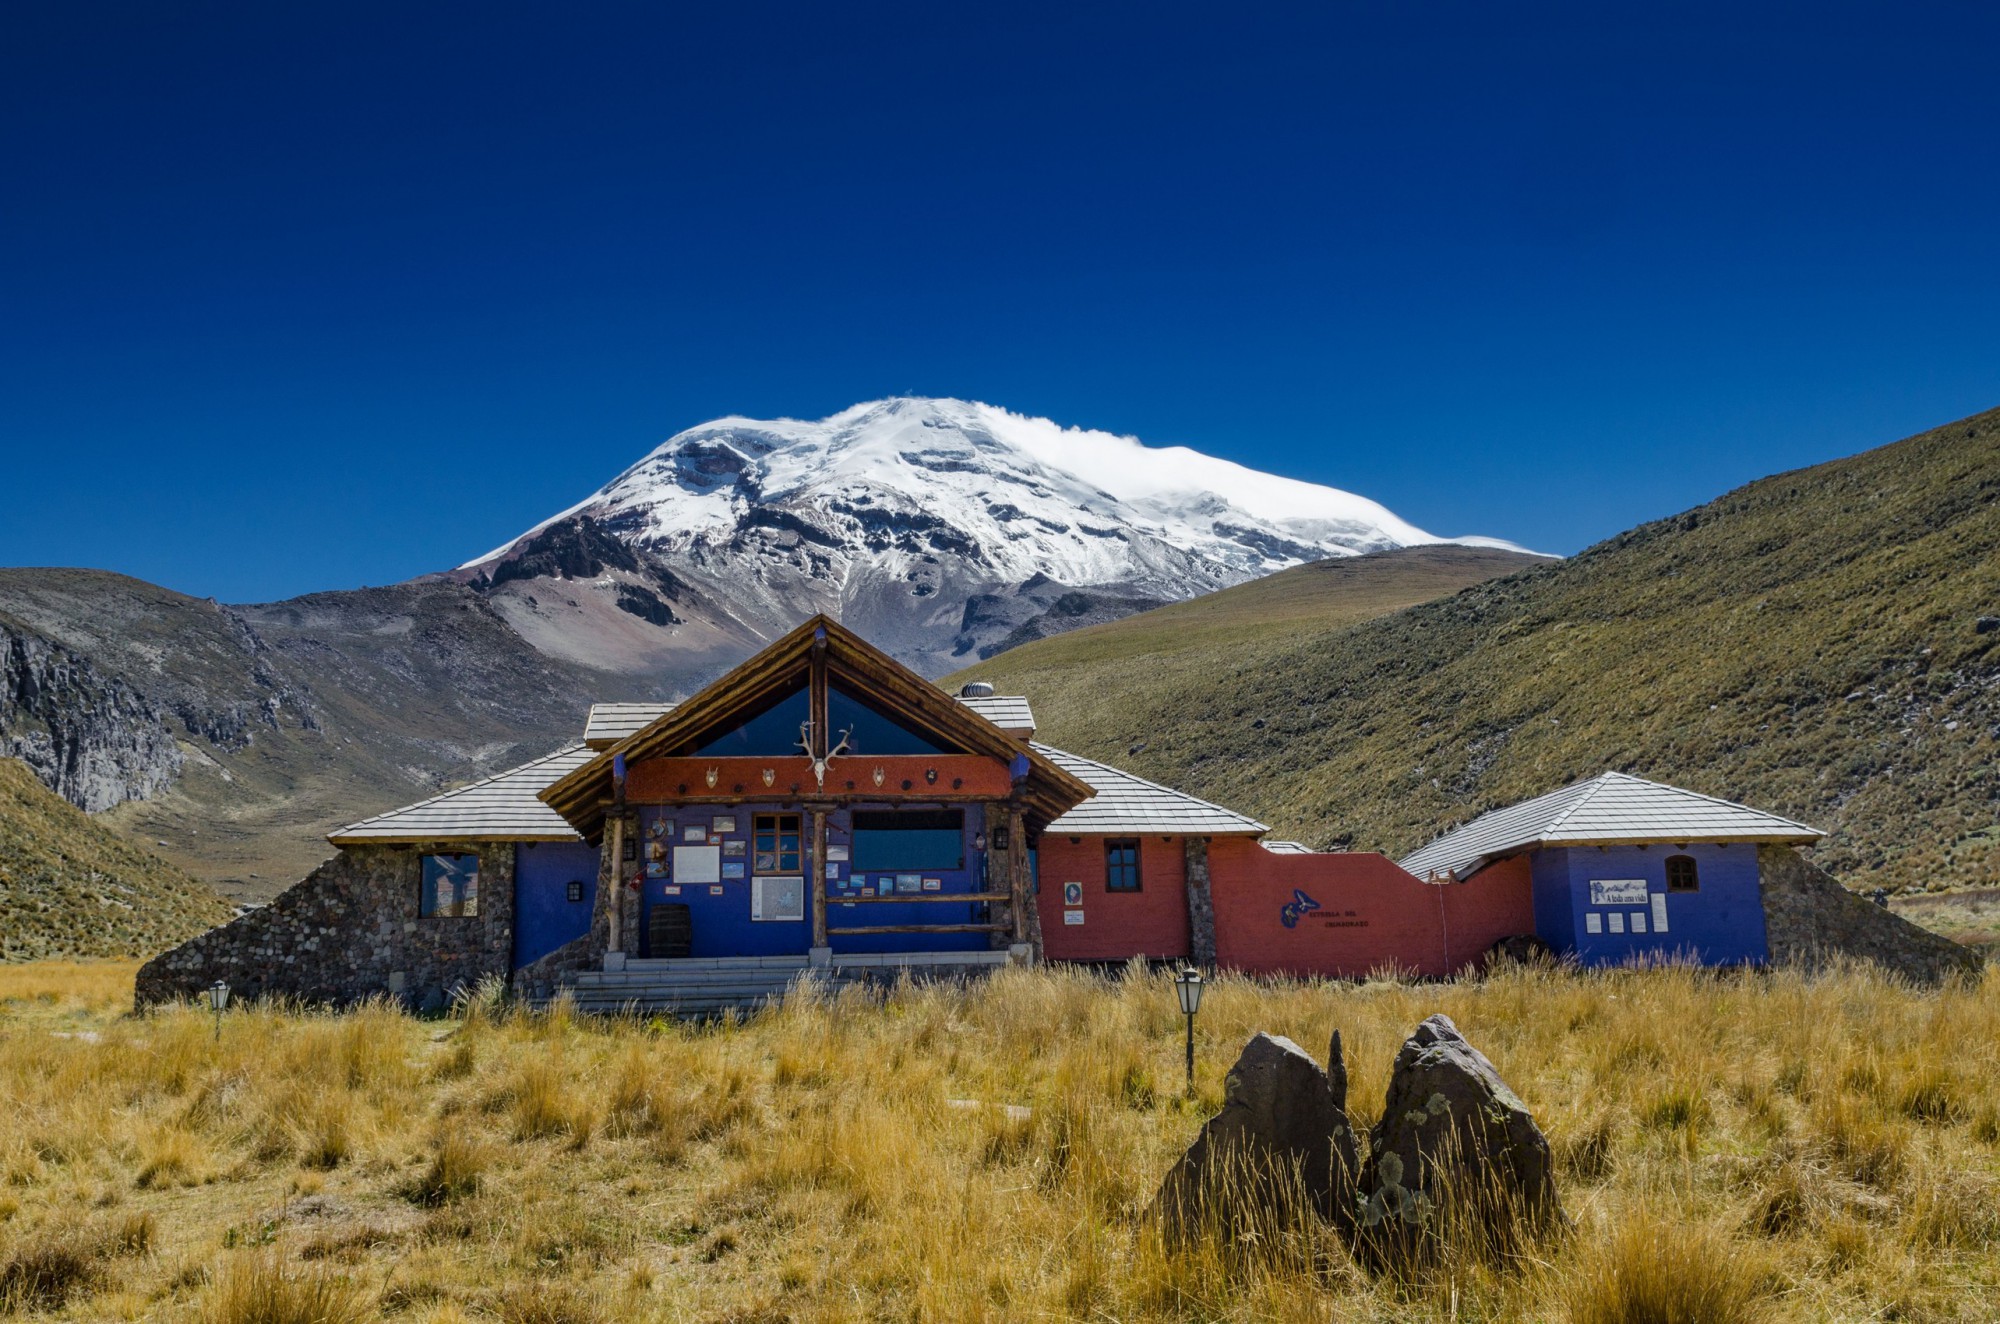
[[1370, 913], [1116, 926]]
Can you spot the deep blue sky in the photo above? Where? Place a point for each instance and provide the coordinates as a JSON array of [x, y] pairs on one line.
[[301, 295]]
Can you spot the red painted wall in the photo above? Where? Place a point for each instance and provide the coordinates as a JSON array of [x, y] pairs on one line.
[[1370, 915], [1116, 925]]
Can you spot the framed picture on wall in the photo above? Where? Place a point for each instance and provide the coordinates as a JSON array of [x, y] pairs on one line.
[[732, 868], [656, 868], [724, 824], [695, 833], [735, 849], [660, 827]]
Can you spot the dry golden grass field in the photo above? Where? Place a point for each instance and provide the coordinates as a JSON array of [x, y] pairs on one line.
[[1732, 1147]]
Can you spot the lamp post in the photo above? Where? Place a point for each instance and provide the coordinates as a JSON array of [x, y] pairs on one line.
[[218, 998], [1188, 985]]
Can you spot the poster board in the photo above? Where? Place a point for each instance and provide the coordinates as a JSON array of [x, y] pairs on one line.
[[1617, 891], [781, 898], [697, 864]]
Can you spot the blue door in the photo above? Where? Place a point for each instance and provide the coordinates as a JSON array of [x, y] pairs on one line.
[[555, 886]]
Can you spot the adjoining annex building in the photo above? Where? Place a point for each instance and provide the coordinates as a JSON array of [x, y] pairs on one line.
[[822, 807]]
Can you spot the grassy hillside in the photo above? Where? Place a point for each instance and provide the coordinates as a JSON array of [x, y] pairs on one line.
[[1074, 678], [1811, 643], [70, 887]]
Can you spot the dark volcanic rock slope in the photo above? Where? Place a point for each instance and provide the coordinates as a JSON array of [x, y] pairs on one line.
[[235, 737]]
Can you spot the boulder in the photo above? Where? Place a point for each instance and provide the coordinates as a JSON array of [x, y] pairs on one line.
[[1279, 1153], [1456, 1158]]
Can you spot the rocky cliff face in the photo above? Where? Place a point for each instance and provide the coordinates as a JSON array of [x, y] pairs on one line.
[[88, 736], [231, 739]]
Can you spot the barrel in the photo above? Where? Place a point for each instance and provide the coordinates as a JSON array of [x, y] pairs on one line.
[[669, 930]]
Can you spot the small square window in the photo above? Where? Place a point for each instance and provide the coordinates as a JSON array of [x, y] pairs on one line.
[[1121, 864], [575, 889], [1682, 874], [450, 887]]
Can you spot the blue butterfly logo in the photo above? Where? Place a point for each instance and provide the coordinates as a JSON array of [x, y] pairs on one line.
[[1300, 904]]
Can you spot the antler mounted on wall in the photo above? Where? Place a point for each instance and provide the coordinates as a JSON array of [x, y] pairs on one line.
[[819, 764]]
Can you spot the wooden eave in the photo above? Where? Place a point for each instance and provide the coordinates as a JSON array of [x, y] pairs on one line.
[[584, 796], [445, 838]]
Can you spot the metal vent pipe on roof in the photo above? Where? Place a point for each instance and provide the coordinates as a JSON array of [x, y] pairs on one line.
[[976, 689]]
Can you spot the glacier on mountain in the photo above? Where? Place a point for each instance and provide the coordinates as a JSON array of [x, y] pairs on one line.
[[943, 524]]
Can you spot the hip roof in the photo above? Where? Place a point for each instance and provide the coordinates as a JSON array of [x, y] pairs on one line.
[[1611, 809]]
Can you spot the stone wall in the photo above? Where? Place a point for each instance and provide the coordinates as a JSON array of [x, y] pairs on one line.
[[1810, 918], [1200, 904], [351, 931]]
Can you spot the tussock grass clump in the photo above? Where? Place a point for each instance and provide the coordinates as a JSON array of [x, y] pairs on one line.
[[262, 1289], [1653, 1270], [458, 1165], [44, 1270]]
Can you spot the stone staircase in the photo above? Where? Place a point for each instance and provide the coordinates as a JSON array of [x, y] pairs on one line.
[[708, 986]]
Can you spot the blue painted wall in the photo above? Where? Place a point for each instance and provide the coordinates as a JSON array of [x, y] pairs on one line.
[[1721, 924], [721, 918], [544, 916], [966, 878], [1555, 908]]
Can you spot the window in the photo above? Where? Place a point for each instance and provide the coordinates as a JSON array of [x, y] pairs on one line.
[[774, 844], [772, 731], [1121, 864], [451, 886], [1681, 874], [906, 840], [870, 731]]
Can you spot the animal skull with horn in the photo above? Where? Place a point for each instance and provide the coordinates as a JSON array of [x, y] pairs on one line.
[[820, 765]]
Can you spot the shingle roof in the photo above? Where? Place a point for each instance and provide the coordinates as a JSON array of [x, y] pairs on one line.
[[1125, 803], [1009, 712], [1610, 809], [501, 808], [610, 723]]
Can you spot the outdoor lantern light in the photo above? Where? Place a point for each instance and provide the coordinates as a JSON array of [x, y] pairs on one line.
[[218, 998], [1188, 985]]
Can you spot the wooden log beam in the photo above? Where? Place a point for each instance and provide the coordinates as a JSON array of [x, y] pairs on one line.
[[895, 897], [917, 928]]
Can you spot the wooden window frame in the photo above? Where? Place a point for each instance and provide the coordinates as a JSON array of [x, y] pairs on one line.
[[777, 829], [1113, 881], [1683, 874]]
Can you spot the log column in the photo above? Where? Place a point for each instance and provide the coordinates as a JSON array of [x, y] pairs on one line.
[[1019, 897], [617, 936], [817, 883]]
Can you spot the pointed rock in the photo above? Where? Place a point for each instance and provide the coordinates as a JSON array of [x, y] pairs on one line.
[[1456, 1155], [1279, 1152]]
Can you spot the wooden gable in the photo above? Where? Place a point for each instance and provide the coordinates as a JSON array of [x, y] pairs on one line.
[[822, 652]]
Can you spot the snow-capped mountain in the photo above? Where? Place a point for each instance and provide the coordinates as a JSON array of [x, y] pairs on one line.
[[941, 527]]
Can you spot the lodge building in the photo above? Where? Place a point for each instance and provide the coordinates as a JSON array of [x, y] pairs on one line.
[[823, 808]]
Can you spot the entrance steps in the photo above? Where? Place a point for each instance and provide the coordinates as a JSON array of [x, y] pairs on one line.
[[708, 986]]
